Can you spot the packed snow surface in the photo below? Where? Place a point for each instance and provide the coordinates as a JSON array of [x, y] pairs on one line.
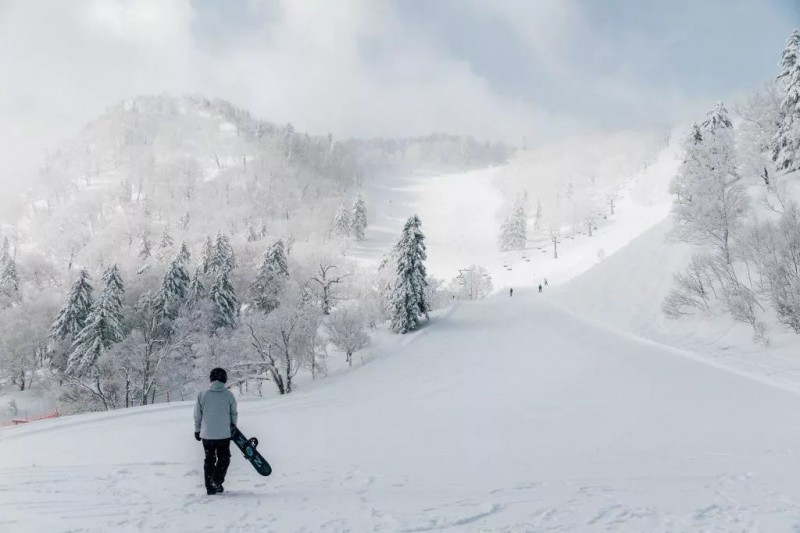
[[508, 414], [576, 409]]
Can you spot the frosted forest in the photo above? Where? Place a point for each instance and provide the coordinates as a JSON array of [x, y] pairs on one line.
[[492, 266]]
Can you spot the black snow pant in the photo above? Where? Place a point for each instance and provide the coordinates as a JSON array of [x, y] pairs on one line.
[[218, 458]]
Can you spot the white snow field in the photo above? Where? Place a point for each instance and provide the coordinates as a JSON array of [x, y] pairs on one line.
[[461, 212], [503, 415], [541, 412]]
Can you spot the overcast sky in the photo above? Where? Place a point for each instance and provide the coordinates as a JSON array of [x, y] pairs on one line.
[[496, 69]]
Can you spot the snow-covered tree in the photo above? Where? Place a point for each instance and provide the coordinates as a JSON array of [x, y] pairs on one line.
[[104, 325], [774, 249], [197, 290], [359, 218], [285, 340], [224, 301], [207, 256], [5, 251], [346, 328], [325, 279], [408, 300], [786, 149], [9, 283], [342, 224], [709, 202], [375, 293], [514, 231], [24, 342], [71, 318], [174, 287], [166, 241], [143, 355], [717, 119], [472, 283], [184, 255], [252, 234], [265, 291], [761, 118], [537, 220], [145, 246], [223, 257]]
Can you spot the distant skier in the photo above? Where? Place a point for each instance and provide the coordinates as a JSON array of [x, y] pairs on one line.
[[215, 414], [511, 291], [545, 282], [540, 287]]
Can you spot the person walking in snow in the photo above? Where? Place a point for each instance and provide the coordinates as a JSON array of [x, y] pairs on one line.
[[540, 287], [545, 282], [511, 291], [215, 415]]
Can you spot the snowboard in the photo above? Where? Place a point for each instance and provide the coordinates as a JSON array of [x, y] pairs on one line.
[[248, 448]]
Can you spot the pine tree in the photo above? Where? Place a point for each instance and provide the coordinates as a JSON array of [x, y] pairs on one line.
[[341, 225], [207, 256], [786, 148], [174, 287], [716, 119], [223, 258], [184, 255], [5, 251], [409, 303], [103, 328], [223, 297], [252, 235], [537, 221], [790, 56], [145, 247], [9, 279], [265, 290], [514, 231], [113, 282], [217, 255], [71, 318], [197, 290], [262, 231], [166, 241], [358, 219]]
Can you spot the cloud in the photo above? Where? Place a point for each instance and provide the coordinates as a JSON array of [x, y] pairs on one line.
[[356, 69], [498, 69], [351, 68], [61, 63]]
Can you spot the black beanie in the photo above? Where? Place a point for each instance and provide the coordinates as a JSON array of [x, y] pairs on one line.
[[219, 374]]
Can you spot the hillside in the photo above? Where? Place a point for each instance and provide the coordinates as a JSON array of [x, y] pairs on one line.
[[626, 292], [461, 234], [575, 409], [189, 167]]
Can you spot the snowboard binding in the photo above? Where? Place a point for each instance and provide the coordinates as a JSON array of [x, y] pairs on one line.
[[254, 442]]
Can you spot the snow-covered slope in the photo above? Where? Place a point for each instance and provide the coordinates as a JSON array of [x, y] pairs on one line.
[[504, 415], [578, 409], [626, 290], [462, 212]]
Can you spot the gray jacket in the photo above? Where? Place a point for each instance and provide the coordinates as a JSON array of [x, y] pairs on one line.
[[215, 412]]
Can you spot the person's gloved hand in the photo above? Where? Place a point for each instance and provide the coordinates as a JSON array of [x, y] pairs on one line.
[[197, 436]]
